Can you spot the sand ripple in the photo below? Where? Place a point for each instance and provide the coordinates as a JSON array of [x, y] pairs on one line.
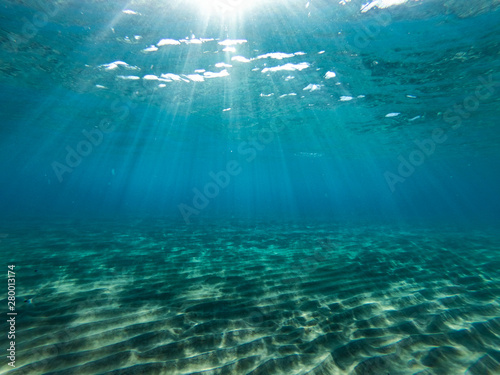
[[157, 299]]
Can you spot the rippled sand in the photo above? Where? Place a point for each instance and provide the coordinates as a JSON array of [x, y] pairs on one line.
[[227, 298]]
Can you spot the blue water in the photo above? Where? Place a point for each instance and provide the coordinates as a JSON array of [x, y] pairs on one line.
[[328, 160], [205, 129]]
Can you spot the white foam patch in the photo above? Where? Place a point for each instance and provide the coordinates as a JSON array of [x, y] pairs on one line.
[[223, 65], [276, 55], [131, 78], [381, 4], [345, 98], [171, 77], [312, 87], [287, 67], [168, 42], [195, 77], [223, 73], [150, 77], [151, 48], [279, 55], [240, 59], [129, 11], [191, 41], [114, 65], [392, 114], [330, 75]]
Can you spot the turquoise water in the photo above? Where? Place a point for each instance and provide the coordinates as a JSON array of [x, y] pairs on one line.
[[228, 187]]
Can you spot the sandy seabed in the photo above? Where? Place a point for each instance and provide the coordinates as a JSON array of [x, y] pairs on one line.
[[232, 298]]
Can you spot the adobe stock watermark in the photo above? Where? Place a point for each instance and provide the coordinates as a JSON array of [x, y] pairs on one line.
[[453, 116], [92, 139], [32, 26], [369, 31], [221, 179]]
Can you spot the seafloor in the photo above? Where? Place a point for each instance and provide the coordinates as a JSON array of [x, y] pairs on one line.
[[149, 297]]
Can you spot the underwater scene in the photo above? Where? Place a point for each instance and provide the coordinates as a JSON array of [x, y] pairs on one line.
[[219, 187]]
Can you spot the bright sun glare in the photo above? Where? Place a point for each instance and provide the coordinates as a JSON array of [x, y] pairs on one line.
[[224, 7]]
